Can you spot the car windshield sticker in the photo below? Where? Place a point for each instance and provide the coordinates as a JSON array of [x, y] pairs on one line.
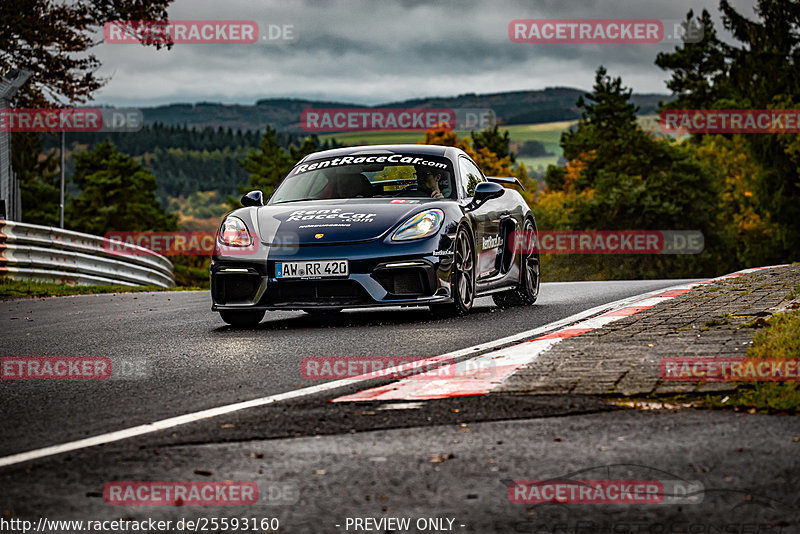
[[397, 159]]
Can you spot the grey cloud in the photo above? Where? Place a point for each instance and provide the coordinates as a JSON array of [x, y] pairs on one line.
[[374, 51]]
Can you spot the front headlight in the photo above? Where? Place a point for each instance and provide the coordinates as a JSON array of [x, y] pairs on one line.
[[233, 233], [420, 225]]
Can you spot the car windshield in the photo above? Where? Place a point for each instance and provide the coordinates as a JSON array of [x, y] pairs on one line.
[[368, 176]]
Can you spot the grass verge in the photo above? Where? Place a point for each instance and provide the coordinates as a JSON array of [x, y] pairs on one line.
[[780, 339], [17, 288]]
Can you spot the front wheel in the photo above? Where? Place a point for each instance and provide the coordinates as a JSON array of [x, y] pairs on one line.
[[527, 291], [462, 278], [241, 318]]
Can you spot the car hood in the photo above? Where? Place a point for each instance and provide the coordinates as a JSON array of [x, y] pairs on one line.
[[335, 221]]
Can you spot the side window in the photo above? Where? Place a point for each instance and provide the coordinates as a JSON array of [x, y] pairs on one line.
[[470, 175]]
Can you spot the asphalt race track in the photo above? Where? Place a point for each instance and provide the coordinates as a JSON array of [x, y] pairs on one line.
[[319, 463], [190, 360]]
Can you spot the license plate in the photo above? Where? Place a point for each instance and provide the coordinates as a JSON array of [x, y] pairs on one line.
[[311, 269]]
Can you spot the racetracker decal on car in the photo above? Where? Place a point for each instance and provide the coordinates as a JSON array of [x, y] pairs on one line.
[[349, 160]]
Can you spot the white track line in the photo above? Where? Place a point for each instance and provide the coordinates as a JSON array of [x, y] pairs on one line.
[[164, 424]]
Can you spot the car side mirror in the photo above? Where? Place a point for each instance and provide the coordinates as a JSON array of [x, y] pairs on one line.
[[486, 191], [253, 198]]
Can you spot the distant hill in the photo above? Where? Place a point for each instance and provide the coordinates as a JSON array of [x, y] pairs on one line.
[[516, 107]]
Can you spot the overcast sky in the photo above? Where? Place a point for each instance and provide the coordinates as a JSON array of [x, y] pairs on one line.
[[373, 51]]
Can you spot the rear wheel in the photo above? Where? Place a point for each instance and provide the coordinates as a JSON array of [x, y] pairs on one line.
[[462, 278], [527, 291], [241, 318]]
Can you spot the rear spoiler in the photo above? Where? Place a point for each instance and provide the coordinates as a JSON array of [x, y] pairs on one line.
[[505, 180]]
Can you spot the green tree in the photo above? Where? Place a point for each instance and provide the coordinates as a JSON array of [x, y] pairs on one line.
[[494, 141], [117, 194], [608, 107], [267, 165], [39, 176], [52, 39], [699, 68], [619, 177], [750, 235], [533, 149], [309, 145], [758, 71]]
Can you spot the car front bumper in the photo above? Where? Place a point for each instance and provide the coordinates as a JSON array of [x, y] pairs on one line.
[[380, 274]]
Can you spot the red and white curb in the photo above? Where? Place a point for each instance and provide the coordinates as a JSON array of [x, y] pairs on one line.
[[489, 371]]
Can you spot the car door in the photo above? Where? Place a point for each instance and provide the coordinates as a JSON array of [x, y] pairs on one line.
[[488, 242]]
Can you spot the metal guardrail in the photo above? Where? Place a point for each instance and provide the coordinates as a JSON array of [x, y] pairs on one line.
[[47, 254]]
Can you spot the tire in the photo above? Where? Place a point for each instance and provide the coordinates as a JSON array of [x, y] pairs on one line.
[[462, 277], [527, 291], [241, 318]]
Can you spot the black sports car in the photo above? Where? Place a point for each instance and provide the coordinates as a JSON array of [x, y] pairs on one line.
[[390, 225]]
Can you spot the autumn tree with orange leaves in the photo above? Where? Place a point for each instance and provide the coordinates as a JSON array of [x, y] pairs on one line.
[[491, 164], [619, 177]]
